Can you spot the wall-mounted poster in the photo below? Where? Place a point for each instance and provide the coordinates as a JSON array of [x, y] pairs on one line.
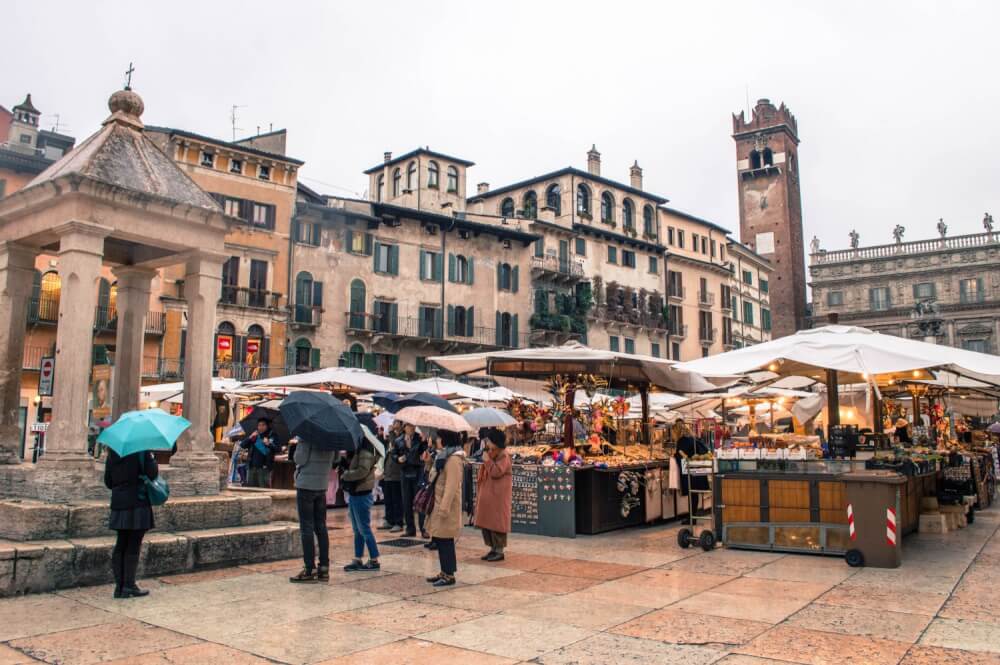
[[100, 382]]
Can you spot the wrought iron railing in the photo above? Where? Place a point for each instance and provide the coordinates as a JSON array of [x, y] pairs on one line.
[[242, 296]]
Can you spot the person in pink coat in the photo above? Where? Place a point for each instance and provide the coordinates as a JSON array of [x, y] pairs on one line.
[[493, 498]]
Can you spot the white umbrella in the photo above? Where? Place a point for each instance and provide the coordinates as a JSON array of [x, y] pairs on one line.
[[433, 416], [352, 378], [489, 417], [174, 392], [385, 419]]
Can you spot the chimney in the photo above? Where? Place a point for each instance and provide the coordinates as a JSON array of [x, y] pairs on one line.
[[635, 173], [593, 161], [387, 156], [482, 188]]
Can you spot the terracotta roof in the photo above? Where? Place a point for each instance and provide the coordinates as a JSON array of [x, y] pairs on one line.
[[121, 155]]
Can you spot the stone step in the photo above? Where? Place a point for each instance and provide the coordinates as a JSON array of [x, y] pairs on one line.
[[29, 519], [45, 565]]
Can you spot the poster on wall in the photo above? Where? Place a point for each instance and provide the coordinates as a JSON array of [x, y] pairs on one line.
[[100, 391]]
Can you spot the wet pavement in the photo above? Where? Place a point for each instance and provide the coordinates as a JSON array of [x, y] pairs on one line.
[[626, 597]]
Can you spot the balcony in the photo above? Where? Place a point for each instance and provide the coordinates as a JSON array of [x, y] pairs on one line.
[[306, 317], [32, 360], [707, 335], [680, 331], [557, 269], [241, 296], [677, 293], [706, 299], [245, 372], [426, 332], [43, 310]]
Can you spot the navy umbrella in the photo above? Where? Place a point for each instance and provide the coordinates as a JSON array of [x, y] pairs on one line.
[[322, 420], [384, 399], [278, 426], [367, 419], [420, 399]]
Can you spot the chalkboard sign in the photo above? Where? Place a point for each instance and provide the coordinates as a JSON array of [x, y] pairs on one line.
[[524, 500], [557, 501]]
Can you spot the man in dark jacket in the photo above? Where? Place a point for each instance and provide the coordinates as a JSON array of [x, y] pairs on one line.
[[263, 446], [392, 485], [408, 451]]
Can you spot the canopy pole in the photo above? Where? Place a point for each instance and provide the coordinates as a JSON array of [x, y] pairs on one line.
[[644, 397], [916, 409], [568, 420], [832, 400], [878, 415]]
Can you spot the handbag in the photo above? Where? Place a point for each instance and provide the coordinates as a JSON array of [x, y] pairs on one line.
[[155, 491], [423, 502]]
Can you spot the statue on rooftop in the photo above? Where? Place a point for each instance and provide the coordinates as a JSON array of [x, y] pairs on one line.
[[855, 238], [942, 227], [898, 232], [988, 222], [814, 245]]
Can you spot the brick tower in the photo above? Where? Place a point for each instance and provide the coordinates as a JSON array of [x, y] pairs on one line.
[[771, 207]]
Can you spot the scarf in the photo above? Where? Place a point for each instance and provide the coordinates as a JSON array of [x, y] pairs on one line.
[[443, 455]]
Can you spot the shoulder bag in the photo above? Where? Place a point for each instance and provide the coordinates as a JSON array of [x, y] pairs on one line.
[[423, 502], [155, 491]]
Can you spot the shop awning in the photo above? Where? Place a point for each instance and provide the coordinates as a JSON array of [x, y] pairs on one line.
[[450, 388], [174, 392], [348, 378]]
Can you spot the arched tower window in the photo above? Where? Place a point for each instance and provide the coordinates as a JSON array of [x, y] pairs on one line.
[[607, 208], [583, 199], [507, 207], [553, 198], [397, 180]]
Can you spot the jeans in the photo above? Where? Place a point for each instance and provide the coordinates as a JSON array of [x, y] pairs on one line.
[[393, 502], [360, 510], [446, 555], [410, 486], [125, 556], [259, 477], [312, 521]]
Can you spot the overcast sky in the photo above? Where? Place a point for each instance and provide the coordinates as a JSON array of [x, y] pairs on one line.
[[896, 102]]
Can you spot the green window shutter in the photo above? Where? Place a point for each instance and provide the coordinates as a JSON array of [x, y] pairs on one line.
[[513, 279], [470, 321], [369, 362], [314, 361], [369, 243], [451, 319], [513, 332], [540, 304], [469, 273], [499, 271], [394, 363], [980, 294], [375, 254], [451, 267], [423, 272], [348, 239], [438, 267], [540, 248], [498, 335], [394, 318], [394, 259]]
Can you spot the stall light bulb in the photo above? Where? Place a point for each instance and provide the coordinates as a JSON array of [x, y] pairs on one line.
[[773, 367], [916, 373], [864, 376], [153, 405]]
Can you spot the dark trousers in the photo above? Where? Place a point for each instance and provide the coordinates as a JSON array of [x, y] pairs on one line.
[[312, 522], [410, 486], [125, 556], [393, 501], [446, 555], [259, 477], [495, 540]]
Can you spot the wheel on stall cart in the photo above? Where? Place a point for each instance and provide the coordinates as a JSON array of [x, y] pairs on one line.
[[854, 558], [684, 538], [707, 541]]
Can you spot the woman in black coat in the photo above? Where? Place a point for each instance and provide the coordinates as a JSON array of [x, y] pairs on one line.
[[131, 515]]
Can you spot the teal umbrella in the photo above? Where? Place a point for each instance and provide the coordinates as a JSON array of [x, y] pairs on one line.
[[149, 429]]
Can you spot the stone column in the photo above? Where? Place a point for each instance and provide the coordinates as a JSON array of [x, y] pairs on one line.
[[17, 270], [81, 253], [132, 305], [195, 459], [951, 333]]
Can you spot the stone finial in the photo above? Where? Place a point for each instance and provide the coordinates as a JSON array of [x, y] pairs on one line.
[[126, 108], [635, 175], [593, 161]]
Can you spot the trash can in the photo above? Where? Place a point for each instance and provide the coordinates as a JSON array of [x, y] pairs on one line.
[[873, 518]]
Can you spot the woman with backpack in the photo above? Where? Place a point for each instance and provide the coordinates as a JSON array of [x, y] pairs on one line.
[[357, 478]]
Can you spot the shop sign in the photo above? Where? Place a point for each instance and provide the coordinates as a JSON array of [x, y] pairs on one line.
[[253, 346], [225, 344], [46, 376], [39, 428]]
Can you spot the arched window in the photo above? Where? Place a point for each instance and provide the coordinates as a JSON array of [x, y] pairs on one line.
[[356, 356], [461, 269], [253, 354], [432, 174], [531, 205], [461, 323], [754, 159], [397, 181], [452, 179], [628, 214], [303, 355], [583, 199], [553, 198], [380, 188], [303, 297], [768, 157], [648, 221], [225, 347], [507, 207], [607, 208], [48, 299], [357, 316], [411, 176]]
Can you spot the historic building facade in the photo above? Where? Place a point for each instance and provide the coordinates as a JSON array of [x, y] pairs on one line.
[[770, 206], [750, 294], [947, 287]]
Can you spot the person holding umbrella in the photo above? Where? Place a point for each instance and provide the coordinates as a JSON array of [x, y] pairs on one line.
[[445, 519], [408, 450], [493, 498], [263, 446], [312, 473], [131, 473]]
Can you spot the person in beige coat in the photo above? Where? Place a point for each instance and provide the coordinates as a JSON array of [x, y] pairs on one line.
[[445, 521]]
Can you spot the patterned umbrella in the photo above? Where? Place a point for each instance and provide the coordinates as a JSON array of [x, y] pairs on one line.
[[433, 416]]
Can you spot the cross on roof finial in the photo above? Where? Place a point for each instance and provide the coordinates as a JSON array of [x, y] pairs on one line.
[[128, 76]]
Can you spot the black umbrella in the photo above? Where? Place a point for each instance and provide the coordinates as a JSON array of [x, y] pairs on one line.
[[384, 399], [420, 399], [278, 426], [322, 420], [368, 420]]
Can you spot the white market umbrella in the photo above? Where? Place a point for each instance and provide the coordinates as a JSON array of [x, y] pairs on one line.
[[385, 420], [435, 417], [357, 380], [489, 417], [174, 392]]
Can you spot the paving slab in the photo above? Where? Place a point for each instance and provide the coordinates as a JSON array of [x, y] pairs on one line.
[[104, 642], [621, 650], [509, 636], [822, 648]]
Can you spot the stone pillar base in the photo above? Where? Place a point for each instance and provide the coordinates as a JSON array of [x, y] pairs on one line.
[[68, 477], [192, 474]]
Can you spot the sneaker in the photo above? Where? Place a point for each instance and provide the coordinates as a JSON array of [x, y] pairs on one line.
[[494, 556], [354, 566], [396, 528], [323, 574], [372, 565], [303, 576], [434, 579], [445, 580]]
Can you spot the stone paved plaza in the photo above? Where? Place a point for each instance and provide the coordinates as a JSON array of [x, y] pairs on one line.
[[625, 597]]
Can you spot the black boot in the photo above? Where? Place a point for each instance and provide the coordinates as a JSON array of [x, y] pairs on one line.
[[130, 590], [117, 568]]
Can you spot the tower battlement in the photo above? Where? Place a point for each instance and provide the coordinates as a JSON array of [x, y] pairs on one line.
[[765, 115]]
